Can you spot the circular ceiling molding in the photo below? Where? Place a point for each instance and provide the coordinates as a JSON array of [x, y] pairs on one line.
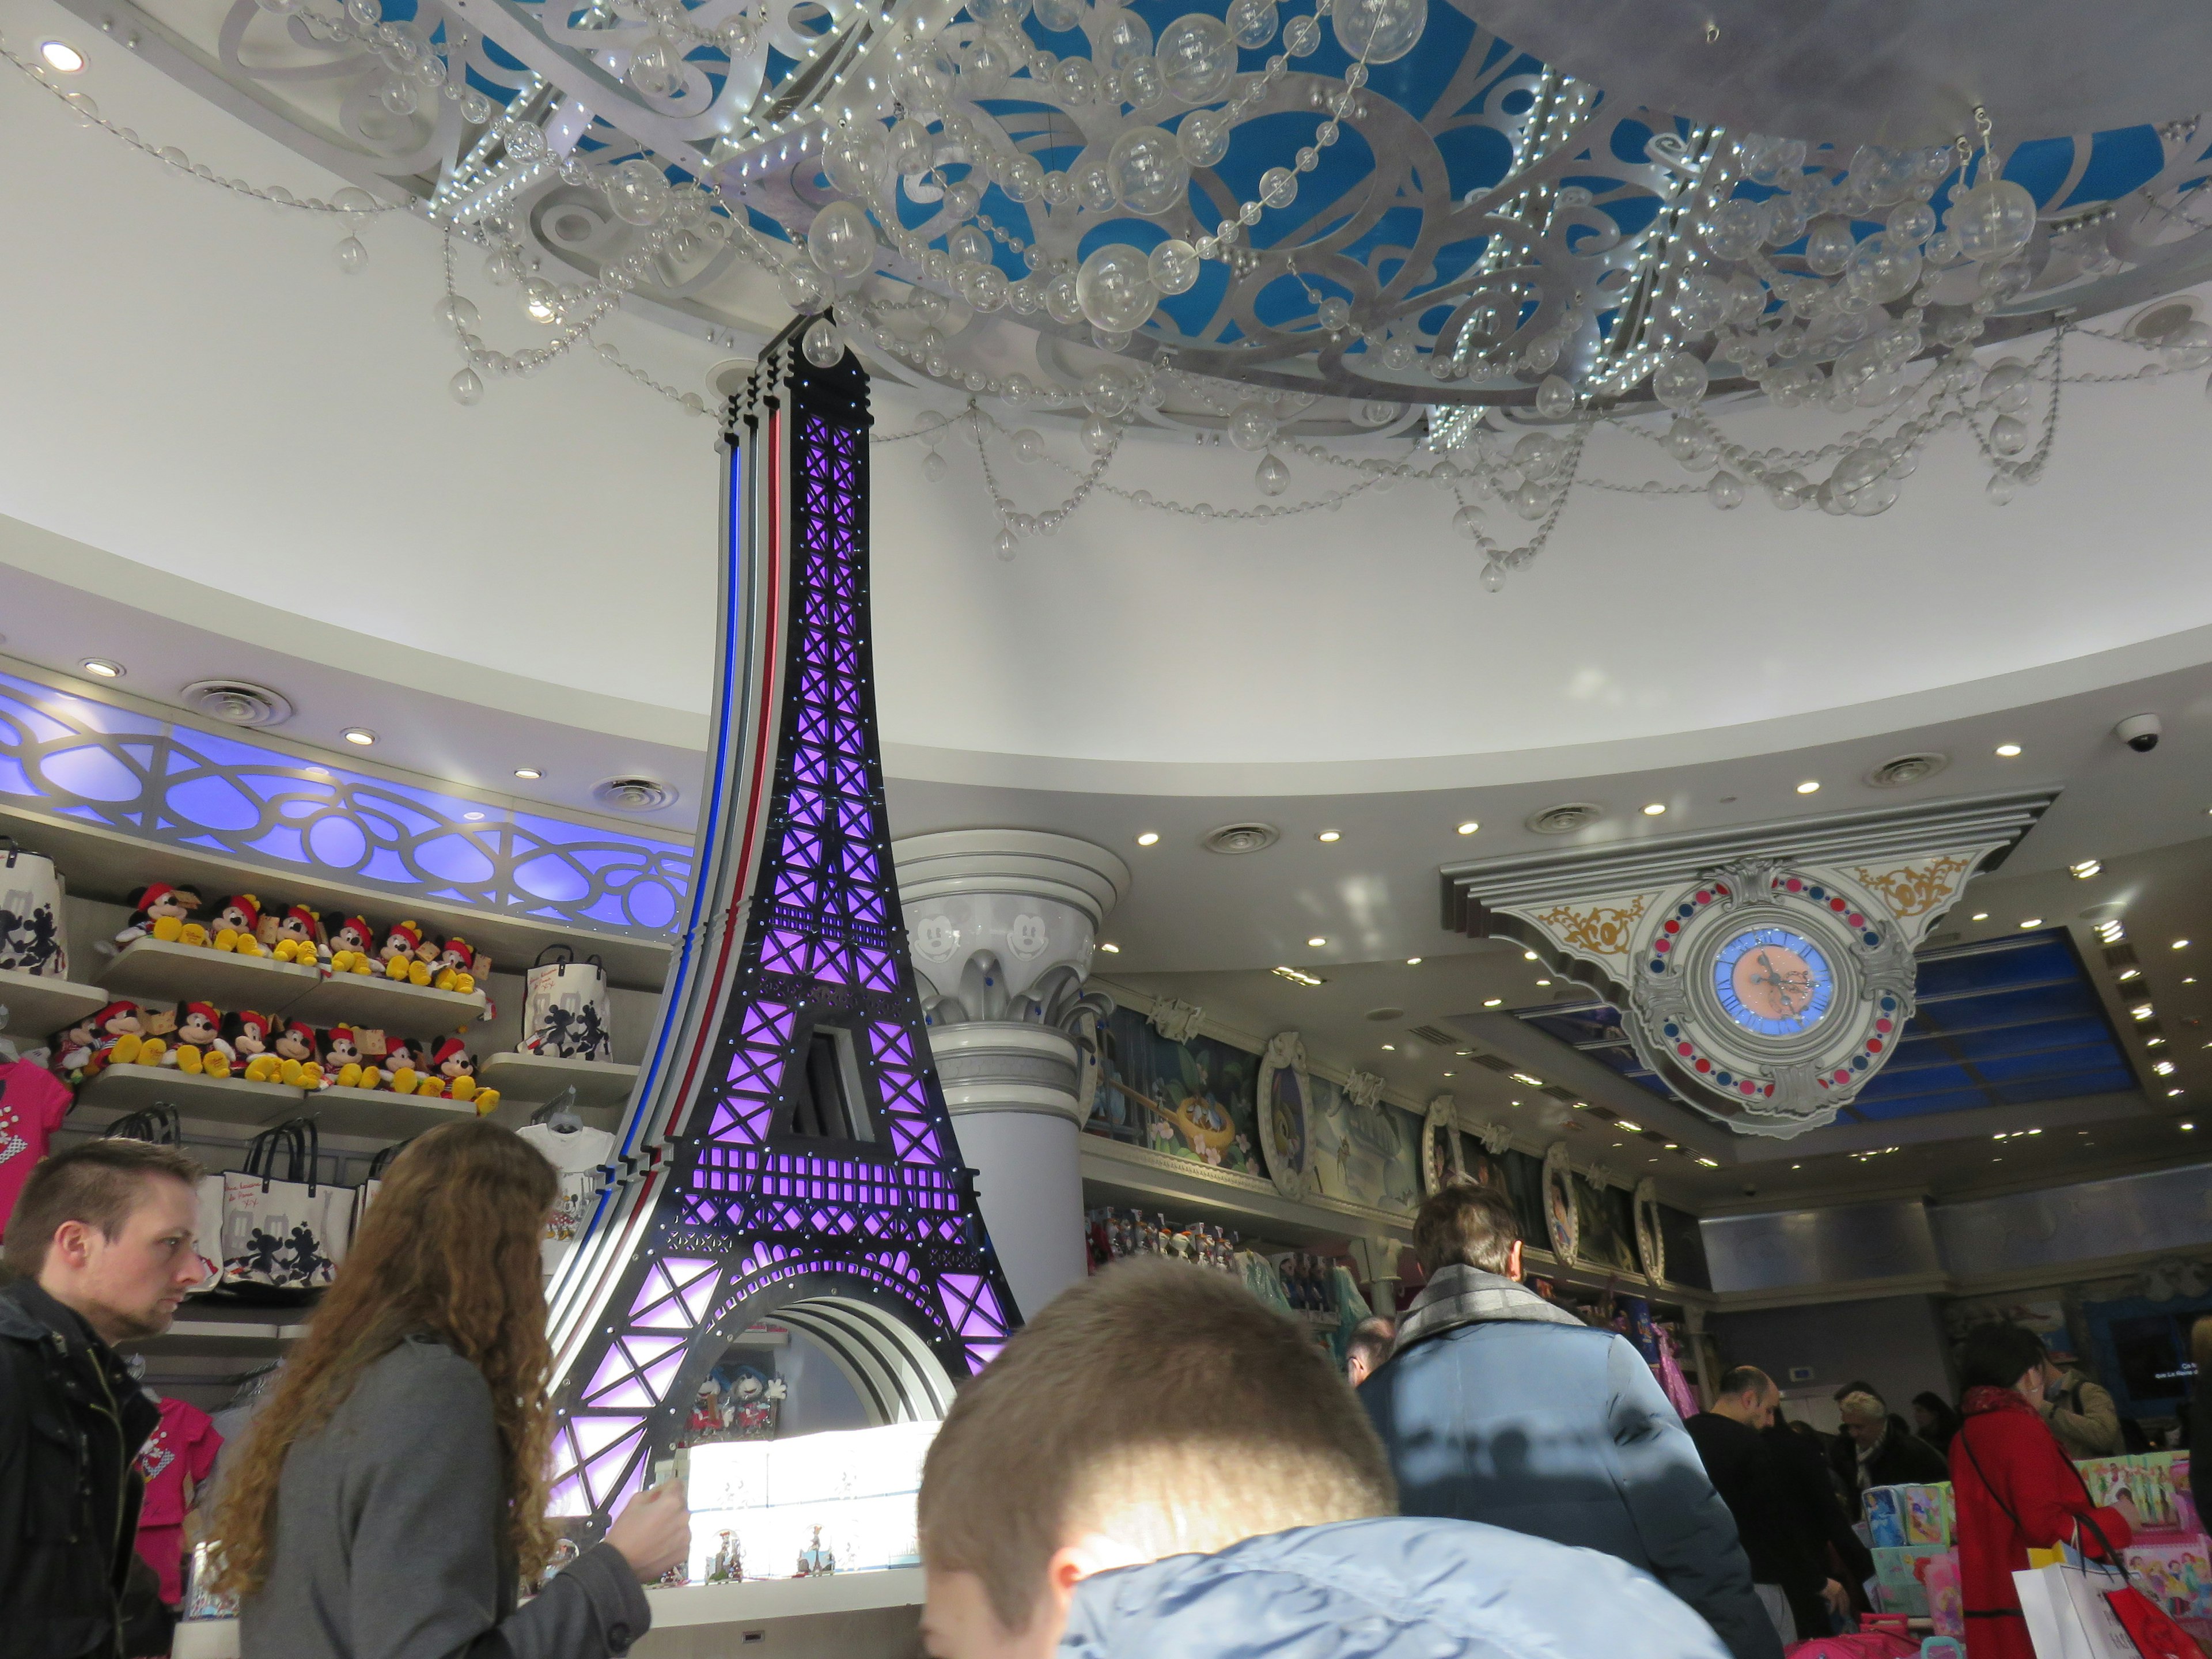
[[634, 794], [237, 703], [1242, 838], [1906, 768], [1565, 819], [1386, 1014]]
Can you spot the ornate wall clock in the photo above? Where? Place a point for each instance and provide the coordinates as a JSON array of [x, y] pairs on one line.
[[1763, 974], [1442, 1162]]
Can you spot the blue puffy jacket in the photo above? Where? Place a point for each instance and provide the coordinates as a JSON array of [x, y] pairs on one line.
[[1496, 1407], [1394, 1588]]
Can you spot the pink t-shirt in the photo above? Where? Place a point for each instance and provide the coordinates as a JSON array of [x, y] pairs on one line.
[[33, 1103], [182, 1446]]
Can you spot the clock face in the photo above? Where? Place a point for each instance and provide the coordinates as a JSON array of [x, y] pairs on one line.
[[1773, 982]]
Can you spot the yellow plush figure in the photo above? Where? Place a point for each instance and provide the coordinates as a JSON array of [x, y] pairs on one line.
[[151, 1050], [263, 1068], [418, 973], [125, 1051], [311, 1076], [432, 1087], [463, 1088], [217, 1063], [404, 1080], [371, 1077], [288, 1072], [193, 934], [486, 1100], [168, 929], [189, 1060], [349, 1075]]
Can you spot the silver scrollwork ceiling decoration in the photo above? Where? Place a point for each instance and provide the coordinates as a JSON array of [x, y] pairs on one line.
[[1288, 222]]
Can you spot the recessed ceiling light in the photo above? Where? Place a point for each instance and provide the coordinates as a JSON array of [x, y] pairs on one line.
[[2033, 921], [2190, 980], [1299, 976], [1528, 955], [1316, 942], [2172, 1094], [2140, 1011], [2008, 749], [473, 817], [2189, 1126], [1109, 947], [1469, 827], [2181, 944], [1709, 1163], [1618, 1145], [529, 772], [1330, 835], [1412, 962], [1543, 982], [2087, 868], [1389, 1048], [1632, 1129], [1981, 915], [1655, 808], [1149, 838], [358, 734], [1810, 787], [62, 57], [103, 668], [2127, 974], [1493, 1002], [2164, 1068]]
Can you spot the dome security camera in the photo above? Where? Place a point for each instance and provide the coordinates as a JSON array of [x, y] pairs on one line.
[[2139, 731]]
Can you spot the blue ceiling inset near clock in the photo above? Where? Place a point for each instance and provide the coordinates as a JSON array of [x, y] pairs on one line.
[[2007, 1022]]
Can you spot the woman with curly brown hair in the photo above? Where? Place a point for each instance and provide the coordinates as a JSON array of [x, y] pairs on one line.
[[392, 1493]]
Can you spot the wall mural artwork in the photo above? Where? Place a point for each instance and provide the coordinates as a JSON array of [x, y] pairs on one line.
[[1605, 1231], [1368, 1156], [1191, 1098]]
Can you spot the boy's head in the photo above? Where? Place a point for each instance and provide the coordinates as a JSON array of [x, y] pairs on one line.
[[1158, 1409]]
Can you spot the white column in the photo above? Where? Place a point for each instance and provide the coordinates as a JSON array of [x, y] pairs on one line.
[[1001, 925]]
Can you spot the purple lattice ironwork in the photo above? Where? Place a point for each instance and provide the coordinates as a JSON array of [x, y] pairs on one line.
[[752, 1205]]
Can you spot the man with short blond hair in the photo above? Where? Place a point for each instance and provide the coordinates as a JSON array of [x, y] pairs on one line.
[[1498, 1406], [1877, 1450], [101, 1248], [1160, 1464]]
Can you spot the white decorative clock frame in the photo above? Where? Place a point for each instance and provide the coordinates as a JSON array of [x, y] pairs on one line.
[[1563, 1220], [1650, 1239], [1285, 1125], [1764, 974], [1442, 1162]]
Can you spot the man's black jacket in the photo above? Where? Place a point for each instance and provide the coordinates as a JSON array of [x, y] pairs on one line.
[[71, 1420]]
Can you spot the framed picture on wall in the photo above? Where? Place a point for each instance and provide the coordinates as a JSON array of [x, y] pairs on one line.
[[1562, 1225], [1650, 1242], [1285, 1102], [1442, 1163]]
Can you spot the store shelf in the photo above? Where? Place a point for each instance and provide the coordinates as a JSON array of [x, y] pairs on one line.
[[528, 1081], [380, 1112], [212, 1099], [219, 1339], [155, 970], [37, 1007], [387, 1005]]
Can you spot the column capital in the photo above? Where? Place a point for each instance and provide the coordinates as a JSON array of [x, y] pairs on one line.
[[1030, 863]]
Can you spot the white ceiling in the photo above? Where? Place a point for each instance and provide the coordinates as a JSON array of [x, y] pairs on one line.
[[224, 455]]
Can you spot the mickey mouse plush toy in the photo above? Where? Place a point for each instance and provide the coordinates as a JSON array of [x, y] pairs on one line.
[[199, 1050], [353, 947], [299, 936], [402, 947], [245, 1037], [160, 911], [455, 1077], [341, 1055], [299, 1061], [238, 925]]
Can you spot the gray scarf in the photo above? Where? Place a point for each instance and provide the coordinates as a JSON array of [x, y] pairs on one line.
[[1459, 1295]]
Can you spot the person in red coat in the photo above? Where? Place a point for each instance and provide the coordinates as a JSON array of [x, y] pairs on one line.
[[2013, 1488]]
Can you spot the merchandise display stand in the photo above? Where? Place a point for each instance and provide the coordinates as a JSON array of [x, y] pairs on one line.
[[387, 1005], [38, 1004], [121, 1089], [526, 1081], [158, 970], [380, 1114]]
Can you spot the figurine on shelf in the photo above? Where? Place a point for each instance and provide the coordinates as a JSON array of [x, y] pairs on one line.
[[456, 965], [199, 1050], [160, 911], [299, 1060], [814, 1561], [299, 936], [353, 947], [453, 1074], [246, 1040], [121, 1037], [401, 954], [403, 1065], [237, 926], [727, 1563], [71, 1050], [342, 1055]]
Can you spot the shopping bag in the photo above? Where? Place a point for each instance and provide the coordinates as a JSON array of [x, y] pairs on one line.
[[2150, 1627], [564, 1007], [2071, 1615], [208, 1244], [32, 939], [285, 1232], [365, 1194]]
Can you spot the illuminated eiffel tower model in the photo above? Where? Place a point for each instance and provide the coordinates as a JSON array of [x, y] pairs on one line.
[[788, 1152]]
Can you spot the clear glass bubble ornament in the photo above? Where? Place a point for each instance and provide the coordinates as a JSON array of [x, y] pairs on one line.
[[1114, 287], [823, 345], [465, 386], [1271, 477], [352, 254], [912, 151], [654, 66], [638, 193], [541, 301], [1126, 39], [1379, 31], [2005, 385], [1724, 490], [968, 243], [1196, 57], [1680, 382], [2189, 346], [1098, 434], [1251, 426], [1174, 266], [842, 241], [1828, 245], [802, 287], [1555, 399], [1251, 22], [1203, 138], [985, 67], [854, 160], [1993, 219], [1007, 546], [1060, 302], [1028, 445], [2008, 435], [1147, 170], [458, 311], [933, 466], [1004, 15], [1141, 86], [2000, 489], [1538, 455], [1058, 16], [1736, 229], [1279, 187]]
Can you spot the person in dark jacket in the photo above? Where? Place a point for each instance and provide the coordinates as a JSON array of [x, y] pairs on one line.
[[1160, 1464], [1935, 1419], [1877, 1450], [1496, 1407], [1786, 1571], [100, 1250], [1823, 1525]]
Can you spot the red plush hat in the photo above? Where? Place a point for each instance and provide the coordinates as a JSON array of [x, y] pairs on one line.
[[338, 1034], [153, 893], [114, 1010], [407, 932], [303, 1027], [457, 943], [248, 903], [249, 1021], [205, 1010], [301, 913], [360, 925], [451, 1047]]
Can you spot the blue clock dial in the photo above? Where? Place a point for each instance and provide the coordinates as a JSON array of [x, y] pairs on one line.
[[1773, 983]]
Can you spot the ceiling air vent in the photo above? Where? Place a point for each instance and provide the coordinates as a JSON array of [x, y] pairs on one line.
[[2161, 318], [1386, 1014], [1428, 1033], [1906, 768], [1242, 838], [634, 794], [1565, 820], [238, 703]]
